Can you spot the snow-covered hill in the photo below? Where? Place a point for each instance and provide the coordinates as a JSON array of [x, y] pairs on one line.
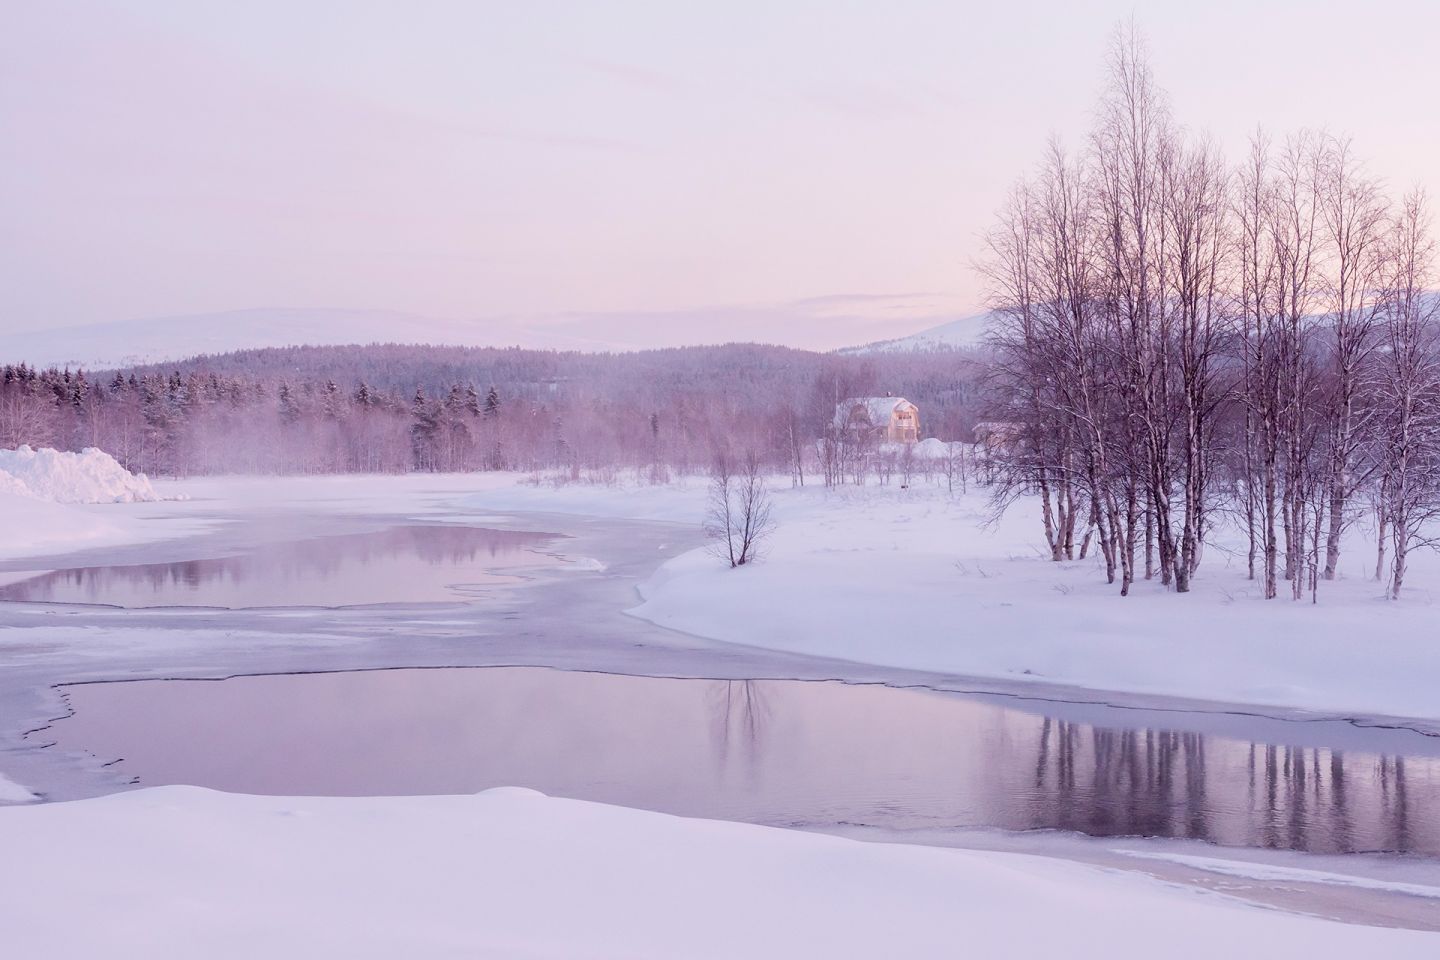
[[127, 342], [824, 324], [964, 332]]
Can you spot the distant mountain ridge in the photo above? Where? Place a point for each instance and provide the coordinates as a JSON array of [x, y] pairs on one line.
[[171, 339], [955, 334], [128, 343]]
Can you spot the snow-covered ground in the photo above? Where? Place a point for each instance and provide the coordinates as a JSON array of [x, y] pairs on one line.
[[51, 502], [12, 792], [914, 579], [910, 579], [923, 580], [179, 872]]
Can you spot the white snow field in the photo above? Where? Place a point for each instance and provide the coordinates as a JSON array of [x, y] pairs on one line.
[[179, 872], [12, 792], [43, 494]]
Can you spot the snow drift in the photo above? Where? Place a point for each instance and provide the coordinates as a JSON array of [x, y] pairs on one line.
[[172, 872], [90, 476]]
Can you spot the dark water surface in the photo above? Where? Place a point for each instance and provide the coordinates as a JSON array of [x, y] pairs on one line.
[[783, 752], [406, 564]]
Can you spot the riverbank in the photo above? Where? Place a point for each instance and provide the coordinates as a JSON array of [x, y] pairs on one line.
[[923, 580], [572, 621]]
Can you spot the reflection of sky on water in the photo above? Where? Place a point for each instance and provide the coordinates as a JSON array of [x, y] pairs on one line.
[[412, 564], [772, 751]]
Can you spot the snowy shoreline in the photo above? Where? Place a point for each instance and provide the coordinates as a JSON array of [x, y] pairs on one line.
[[629, 528], [864, 583], [920, 580], [488, 875]]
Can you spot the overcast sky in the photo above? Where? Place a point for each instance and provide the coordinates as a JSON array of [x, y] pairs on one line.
[[672, 159]]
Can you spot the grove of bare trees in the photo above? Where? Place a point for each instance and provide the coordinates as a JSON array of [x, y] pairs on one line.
[[1183, 341]]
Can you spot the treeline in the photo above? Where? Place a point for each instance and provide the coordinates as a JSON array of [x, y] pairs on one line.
[[394, 408], [1184, 339]]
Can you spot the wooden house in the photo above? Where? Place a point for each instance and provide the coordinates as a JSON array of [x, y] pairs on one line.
[[885, 419]]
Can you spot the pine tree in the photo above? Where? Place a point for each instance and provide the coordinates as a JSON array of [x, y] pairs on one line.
[[424, 425], [289, 409], [332, 403]]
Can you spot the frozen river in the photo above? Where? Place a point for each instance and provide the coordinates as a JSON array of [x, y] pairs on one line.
[[402, 564], [370, 655], [788, 752]]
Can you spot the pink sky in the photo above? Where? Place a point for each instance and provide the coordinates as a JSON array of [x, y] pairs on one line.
[[532, 160]]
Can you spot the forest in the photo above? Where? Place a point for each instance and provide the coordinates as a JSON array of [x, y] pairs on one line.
[[399, 408]]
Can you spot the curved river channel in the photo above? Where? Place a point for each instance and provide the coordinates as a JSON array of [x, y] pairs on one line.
[[786, 752]]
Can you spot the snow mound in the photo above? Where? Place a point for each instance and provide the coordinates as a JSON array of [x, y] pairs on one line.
[[931, 448], [13, 486], [90, 476]]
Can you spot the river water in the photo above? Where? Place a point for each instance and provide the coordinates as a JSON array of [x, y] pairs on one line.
[[787, 752], [400, 564]]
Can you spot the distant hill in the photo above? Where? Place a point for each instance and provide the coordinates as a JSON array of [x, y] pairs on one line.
[[956, 334], [128, 343]]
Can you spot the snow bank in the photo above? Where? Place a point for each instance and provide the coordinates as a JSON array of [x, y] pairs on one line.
[[179, 872], [931, 448], [12, 792], [916, 580], [90, 476], [12, 486], [1275, 873]]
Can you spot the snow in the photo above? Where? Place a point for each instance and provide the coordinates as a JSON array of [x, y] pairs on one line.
[[38, 527], [910, 579], [931, 448], [964, 332], [12, 792], [179, 872], [875, 575], [43, 498], [917, 580], [1283, 874], [90, 476]]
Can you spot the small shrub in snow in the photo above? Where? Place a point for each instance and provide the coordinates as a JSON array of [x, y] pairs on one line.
[[737, 517]]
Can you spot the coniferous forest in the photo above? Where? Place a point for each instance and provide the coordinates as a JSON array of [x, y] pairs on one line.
[[396, 408]]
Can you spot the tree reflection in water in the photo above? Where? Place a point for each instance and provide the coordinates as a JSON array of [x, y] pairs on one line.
[[397, 564], [769, 751], [1155, 783]]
